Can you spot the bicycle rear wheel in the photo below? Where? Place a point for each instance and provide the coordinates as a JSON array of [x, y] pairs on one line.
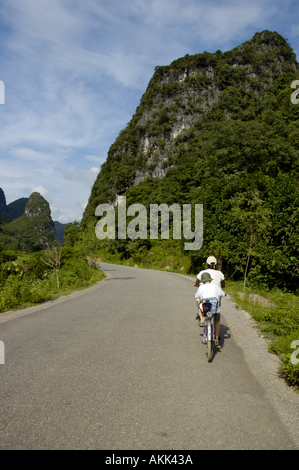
[[210, 350], [210, 340]]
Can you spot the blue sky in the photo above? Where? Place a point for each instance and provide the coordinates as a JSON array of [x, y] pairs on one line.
[[74, 72]]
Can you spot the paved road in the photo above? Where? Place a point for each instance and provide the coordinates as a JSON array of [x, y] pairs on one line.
[[121, 366]]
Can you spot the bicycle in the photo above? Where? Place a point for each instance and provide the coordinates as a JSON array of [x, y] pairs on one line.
[[209, 310]]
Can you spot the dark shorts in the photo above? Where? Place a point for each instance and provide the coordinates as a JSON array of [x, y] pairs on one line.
[[217, 316]]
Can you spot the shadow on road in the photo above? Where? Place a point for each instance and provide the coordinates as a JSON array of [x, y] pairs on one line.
[[224, 335]]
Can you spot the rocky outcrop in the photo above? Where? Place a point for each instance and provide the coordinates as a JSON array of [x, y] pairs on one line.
[[38, 211], [179, 97], [10, 212], [2, 201], [28, 223], [36, 206]]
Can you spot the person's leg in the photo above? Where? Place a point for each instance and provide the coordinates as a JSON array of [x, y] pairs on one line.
[[217, 330], [200, 312]]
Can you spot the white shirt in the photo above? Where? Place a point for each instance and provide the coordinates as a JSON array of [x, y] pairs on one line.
[[217, 276], [207, 291]]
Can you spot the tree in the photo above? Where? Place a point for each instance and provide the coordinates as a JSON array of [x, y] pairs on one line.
[[220, 250], [52, 258], [71, 233], [254, 217], [88, 243]]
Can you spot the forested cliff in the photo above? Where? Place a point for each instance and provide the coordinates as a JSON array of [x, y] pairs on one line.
[[25, 224], [219, 130]]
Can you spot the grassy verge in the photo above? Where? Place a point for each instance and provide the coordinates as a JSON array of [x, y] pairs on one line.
[[277, 314], [26, 281], [163, 257]]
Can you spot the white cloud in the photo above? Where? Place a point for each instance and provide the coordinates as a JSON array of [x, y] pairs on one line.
[[123, 40], [41, 190], [74, 73], [77, 174], [31, 155]]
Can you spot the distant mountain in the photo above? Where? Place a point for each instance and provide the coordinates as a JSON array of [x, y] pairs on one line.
[[13, 210], [59, 231], [2, 200], [181, 101], [25, 224], [217, 129]]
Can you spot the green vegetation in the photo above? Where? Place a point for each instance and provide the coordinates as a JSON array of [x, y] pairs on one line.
[[18, 232], [224, 130], [49, 271], [14, 210], [59, 231], [205, 88], [26, 224], [25, 279], [238, 156], [278, 319]]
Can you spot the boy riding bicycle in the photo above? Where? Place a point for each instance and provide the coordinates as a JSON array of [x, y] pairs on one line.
[[216, 275], [206, 291]]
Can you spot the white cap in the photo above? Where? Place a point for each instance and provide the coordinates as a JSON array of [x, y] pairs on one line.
[[211, 260]]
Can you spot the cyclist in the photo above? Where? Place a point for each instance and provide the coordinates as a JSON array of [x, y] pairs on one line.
[[208, 290], [217, 276]]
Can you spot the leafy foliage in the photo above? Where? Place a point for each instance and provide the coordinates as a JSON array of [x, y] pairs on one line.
[[52, 258], [27, 225], [223, 127], [279, 321], [27, 280]]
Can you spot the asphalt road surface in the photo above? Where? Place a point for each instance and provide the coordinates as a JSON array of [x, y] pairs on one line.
[[121, 365]]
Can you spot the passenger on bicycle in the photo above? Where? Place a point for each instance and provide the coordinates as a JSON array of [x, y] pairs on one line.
[[218, 277], [206, 291]]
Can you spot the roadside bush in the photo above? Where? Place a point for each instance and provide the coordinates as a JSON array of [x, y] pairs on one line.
[[36, 268], [74, 272], [42, 291], [280, 321], [282, 347], [7, 256], [28, 281], [15, 292]]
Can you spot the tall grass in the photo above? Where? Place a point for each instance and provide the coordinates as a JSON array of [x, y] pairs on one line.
[[27, 281], [279, 321], [167, 256]]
